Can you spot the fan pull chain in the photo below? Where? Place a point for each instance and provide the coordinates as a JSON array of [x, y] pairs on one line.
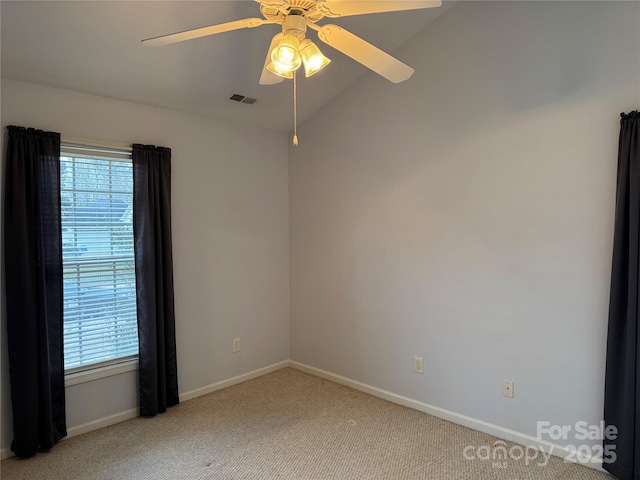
[[295, 110]]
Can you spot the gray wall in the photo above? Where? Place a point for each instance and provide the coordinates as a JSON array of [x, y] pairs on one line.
[[466, 215], [230, 237]]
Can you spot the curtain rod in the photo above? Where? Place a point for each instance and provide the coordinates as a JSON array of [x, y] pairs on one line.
[[96, 143]]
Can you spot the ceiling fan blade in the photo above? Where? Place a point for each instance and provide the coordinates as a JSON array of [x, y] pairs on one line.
[[271, 3], [267, 77], [362, 51], [344, 8], [203, 32]]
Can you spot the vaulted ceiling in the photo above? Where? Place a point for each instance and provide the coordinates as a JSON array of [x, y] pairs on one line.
[[94, 47]]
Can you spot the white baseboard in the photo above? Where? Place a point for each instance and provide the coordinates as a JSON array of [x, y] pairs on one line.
[[473, 423], [232, 381], [88, 427], [470, 422], [101, 423], [129, 414]]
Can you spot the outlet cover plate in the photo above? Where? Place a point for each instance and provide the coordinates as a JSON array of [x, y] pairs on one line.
[[418, 365], [507, 388]]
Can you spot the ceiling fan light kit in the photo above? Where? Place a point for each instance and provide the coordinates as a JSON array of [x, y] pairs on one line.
[[281, 70], [291, 49], [286, 55], [312, 58]]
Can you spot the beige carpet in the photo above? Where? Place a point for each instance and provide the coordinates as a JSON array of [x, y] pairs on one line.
[[285, 425]]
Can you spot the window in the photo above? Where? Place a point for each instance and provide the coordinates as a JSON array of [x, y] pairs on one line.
[[99, 285]]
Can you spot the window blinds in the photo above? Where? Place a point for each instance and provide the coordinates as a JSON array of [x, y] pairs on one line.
[[100, 321]]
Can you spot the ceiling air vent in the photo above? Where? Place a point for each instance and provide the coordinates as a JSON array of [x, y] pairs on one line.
[[242, 99]]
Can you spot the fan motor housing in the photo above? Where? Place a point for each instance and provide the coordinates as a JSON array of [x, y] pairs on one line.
[[295, 25], [283, 9]]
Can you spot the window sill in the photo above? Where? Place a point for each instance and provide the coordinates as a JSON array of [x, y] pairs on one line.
[[101, 372]]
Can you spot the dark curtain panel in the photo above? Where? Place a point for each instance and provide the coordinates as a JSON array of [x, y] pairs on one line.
[[158, 373], [33, 268], [622, 381]]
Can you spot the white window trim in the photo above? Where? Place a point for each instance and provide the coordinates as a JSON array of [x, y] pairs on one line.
[[120, 365], [126, 147], [88, 374]]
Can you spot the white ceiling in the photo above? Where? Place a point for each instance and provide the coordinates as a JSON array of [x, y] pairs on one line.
[[94, 47]]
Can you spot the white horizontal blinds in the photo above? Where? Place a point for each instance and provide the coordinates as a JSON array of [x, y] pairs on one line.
[[100, 322]]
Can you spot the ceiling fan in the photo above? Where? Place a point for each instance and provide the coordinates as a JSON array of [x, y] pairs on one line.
[[290, 49]]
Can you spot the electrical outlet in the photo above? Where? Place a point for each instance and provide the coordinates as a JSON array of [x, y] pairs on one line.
[[236, 345], [418, 365], [507, 388]]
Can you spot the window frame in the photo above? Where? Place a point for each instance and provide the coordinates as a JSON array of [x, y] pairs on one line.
[[77, 147]]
